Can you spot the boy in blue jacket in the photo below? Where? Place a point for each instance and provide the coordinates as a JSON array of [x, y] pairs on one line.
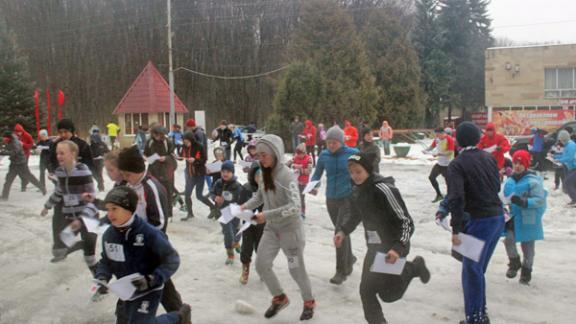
[[528, 199], [568, 159], [130, 246]]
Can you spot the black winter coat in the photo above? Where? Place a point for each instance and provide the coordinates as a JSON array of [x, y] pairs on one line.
[[84, 154], [377, 203], [229, 190]]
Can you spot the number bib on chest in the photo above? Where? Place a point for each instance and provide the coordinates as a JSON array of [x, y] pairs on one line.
[[115, 252]]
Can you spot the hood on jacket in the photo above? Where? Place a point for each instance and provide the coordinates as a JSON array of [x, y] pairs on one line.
[[276, 145], [491, 127], [308, 123], [347, 123], [385, 123], [19, 129]]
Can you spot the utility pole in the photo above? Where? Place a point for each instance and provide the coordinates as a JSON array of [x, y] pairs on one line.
[[170, 68]]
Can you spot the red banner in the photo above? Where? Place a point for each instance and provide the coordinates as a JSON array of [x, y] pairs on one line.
[[48, 108], [519, 122], [60, 103], [37, 111]]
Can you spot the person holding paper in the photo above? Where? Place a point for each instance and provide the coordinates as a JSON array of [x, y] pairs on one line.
[[334, 160], [250, 237], [388, 228], [369, 147], [444, 145], [43, 148], [494, 142], [301, 163], [73, 180], [224, 192], [284, 228], [568, 160], [132, 246], [194, 173], [251, 157], [528, 199], [473, 187]]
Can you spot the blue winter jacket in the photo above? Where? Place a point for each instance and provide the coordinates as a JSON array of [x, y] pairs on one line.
[[237, 135], [139, 248], [527, 221], [567, 157], [537, 141], [339, 183]]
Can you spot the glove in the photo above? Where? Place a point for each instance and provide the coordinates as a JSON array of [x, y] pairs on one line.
[[517, 200], [99, 289], [143, 283]]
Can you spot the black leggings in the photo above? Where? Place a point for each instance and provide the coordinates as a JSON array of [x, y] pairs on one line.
[[238, 149], [310, 150], [436, 171]]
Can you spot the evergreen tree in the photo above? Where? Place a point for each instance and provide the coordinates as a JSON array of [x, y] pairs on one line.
[[326, 38], [16, 102], [394, 63]]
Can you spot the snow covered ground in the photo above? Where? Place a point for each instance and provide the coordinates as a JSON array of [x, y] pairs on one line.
[[35, 291]]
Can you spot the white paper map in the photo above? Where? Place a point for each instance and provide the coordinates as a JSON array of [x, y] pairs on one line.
[[310, 186], [381, 266], [214, 167], [68, 237], [471, 247], [153, 158]]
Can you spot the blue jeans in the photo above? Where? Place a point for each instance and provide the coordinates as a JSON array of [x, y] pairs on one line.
[[386, 146], [143, 310], [198, 183], [570, 184], [208, 181], [473, 282], [230, 230]]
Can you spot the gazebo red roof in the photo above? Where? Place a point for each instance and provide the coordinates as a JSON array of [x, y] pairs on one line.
[[150, 93]]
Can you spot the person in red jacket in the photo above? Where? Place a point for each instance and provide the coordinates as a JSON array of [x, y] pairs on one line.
[[494, 143], [309, 135], [350, 135], [27, 144]]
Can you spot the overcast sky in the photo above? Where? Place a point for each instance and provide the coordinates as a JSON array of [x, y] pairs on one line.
[[534, 20]]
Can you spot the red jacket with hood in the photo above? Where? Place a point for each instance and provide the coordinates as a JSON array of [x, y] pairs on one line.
[[352, 133], [498, 140], [310, 133], [25, 138]]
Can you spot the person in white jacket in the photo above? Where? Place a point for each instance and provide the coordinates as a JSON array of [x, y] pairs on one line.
[[284, 228]]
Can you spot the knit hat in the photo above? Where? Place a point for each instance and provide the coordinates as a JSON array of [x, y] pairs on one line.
[[490, 127], [130, 160], [158, 129], [523, 157], [228, 166], [124, 197], [66, 124], [448, 130], [467, 134], [43, 132], [563, 136], [335, 133], [190, 137], [363, 160], [301, 148], [191, 123]]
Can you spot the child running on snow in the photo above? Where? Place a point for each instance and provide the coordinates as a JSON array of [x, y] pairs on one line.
[[301, 163], [528, 199], [224, 192], [73, 180], [388, 227], [132, 246]]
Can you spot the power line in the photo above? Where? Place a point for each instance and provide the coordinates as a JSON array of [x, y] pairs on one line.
[[537, 24], [242, 77]]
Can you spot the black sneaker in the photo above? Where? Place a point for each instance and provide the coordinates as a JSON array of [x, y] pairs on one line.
[[349, 271], [423, 272], [338, 279], [438, 198], [214, 214], [308, 311], [185, 314], [278, 303]]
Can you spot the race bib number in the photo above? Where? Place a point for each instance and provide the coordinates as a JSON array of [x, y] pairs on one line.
[[115, 252], [373, 237], [70, 201]]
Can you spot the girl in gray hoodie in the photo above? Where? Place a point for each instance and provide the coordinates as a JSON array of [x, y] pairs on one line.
[[284, 228]]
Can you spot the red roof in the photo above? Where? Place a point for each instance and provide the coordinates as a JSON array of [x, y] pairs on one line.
[[149, 93]]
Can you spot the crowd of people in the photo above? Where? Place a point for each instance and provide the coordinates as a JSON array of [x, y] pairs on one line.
[[487, 195]]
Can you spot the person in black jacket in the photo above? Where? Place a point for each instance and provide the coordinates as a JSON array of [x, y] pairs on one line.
[[193, 154], [66, 131], [225, 135], [43, 147], [133, 247], [98, 149], [388, 228], [473, 187], [370, 149]]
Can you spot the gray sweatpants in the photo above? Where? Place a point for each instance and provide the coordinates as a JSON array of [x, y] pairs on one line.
[[528, 249], [339, 212], [290, 239]]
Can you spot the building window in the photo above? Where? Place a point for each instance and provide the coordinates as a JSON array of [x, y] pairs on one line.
[[164, 119], [560, 83], [135, 120]]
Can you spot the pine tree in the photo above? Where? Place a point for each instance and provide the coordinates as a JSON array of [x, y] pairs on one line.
[[394, 63], [16, 102], [326, 38]]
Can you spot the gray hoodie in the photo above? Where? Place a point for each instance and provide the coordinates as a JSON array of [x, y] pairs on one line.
[[15, 150], [281, 206]]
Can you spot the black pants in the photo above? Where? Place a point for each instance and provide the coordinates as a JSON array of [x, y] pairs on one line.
[[312, 151], [389, 288], [339, 211], [171, 301], [250, 240], [98, 167], [538, 159], [59, 223], [22, 171], [43, 169], [559, 176], [320, 146], [24, 182], [238, 149], [436, 171]]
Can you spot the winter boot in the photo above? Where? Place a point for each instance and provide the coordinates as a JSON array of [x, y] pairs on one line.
[[245, 273], [214, 213], [525, 276], [351, 268], [438, 198], [421, 269], [230, 258], [308, 311], [188, 210], [338, 278], [278, 303], [185, 314], [59, 255], [513, 266]]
